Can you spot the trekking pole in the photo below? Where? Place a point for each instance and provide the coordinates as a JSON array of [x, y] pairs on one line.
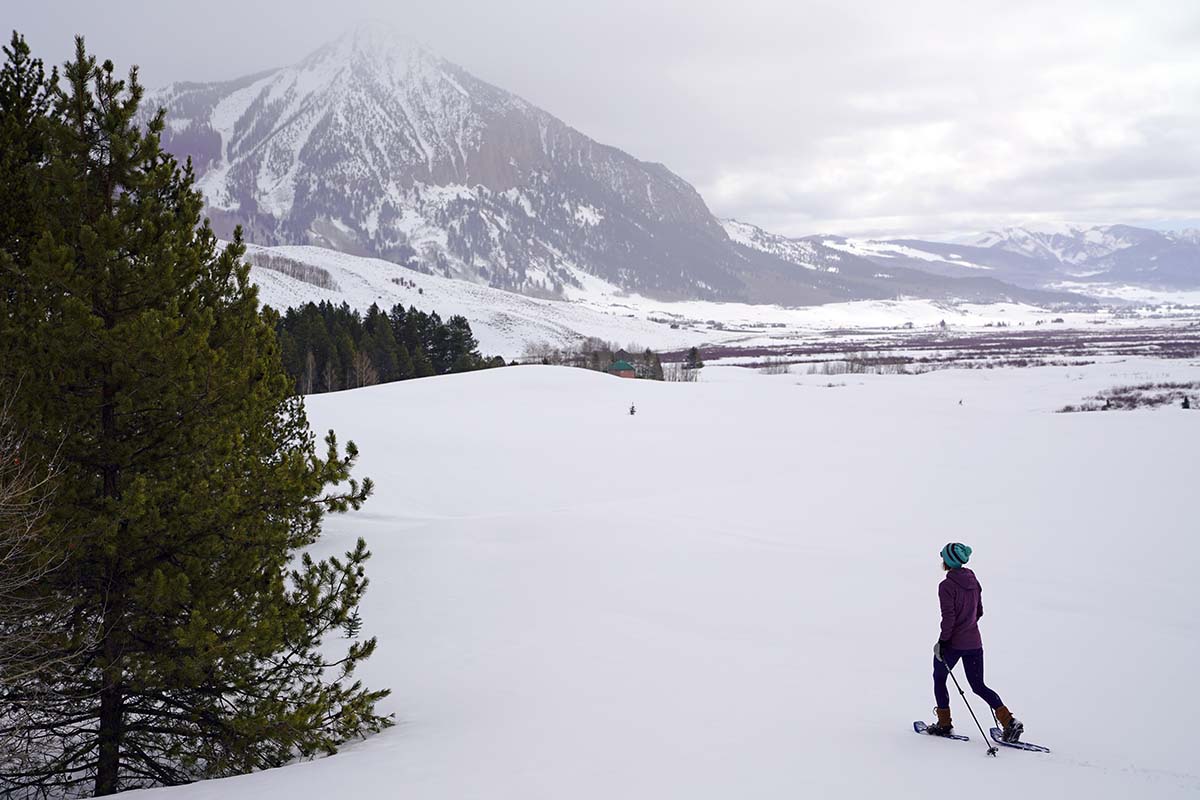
[[991, 751]]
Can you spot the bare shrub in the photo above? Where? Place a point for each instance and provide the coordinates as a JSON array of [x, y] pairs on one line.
[[1142, 395], [676, 372], [307, 273], [1071, 409], [33, 646], [774, 366], [543, 353], [868, 364], [365, 373], [26, 553]]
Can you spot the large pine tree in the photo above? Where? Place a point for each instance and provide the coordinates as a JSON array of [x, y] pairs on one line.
[[25, 101], [191, 479]]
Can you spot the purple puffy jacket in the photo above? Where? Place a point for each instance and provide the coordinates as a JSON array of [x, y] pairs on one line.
[[961, 599]]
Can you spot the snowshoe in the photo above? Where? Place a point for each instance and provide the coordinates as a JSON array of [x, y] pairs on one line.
[[998, 735], [922, 728]]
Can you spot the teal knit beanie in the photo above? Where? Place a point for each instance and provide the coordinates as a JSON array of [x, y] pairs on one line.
[[956, 554]]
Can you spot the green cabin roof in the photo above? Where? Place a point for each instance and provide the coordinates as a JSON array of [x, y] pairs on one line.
[[621, 366]]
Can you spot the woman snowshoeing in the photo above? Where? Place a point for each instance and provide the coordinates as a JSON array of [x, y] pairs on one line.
[[959, 640]]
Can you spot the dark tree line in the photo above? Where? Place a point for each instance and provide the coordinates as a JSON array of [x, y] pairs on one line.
[[327, 347]]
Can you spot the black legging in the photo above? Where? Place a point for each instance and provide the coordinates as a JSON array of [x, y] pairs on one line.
[[972, 665]]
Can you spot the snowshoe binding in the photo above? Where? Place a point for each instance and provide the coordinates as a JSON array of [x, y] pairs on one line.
[[943, 726], [1011, 727]]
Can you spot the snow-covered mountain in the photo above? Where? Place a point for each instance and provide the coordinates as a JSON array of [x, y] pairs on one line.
[[798, 251], [907, 268], [1107, 253], [1037, 257], [373, 145], [1072, 245]]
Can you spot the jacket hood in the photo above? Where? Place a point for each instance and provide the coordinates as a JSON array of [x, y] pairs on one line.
[[963, 578]]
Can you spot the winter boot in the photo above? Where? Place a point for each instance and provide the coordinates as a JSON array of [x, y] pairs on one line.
[[943, 726], [1012, 727]]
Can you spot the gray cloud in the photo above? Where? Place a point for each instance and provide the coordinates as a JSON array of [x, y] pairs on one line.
[[855, 117]]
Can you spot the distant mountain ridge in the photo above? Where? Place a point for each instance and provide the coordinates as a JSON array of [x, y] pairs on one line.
[[1040, 258], [1108, 253], [373, 145], [904, 268]]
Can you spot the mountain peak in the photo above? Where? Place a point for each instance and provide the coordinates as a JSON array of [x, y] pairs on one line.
[[373, 144], [374, 36], [374, 43]]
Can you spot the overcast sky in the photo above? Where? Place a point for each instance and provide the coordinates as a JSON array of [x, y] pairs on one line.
[[885, 117]]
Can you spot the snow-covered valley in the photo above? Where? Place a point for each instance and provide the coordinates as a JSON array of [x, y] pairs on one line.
[[733, 592], [506, 323]]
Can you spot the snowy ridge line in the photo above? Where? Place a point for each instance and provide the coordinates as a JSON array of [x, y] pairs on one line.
[[1067, 243], [1101, 261], [1107, 254], [869, 248]]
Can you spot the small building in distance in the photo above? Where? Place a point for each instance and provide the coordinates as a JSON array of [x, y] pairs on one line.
[[622, 369]]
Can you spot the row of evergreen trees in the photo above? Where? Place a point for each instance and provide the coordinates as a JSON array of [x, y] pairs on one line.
[[180, 628], [327, 347]]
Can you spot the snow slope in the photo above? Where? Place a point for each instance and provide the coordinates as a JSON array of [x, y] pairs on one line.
[[732, 594], [503, 322], [875, 249], [506, 322]]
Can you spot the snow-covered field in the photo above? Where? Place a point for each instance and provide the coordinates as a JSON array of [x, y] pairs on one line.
[[732, 594], [506, 323]]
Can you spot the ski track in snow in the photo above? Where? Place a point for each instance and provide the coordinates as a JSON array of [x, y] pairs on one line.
[[732, 594]]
